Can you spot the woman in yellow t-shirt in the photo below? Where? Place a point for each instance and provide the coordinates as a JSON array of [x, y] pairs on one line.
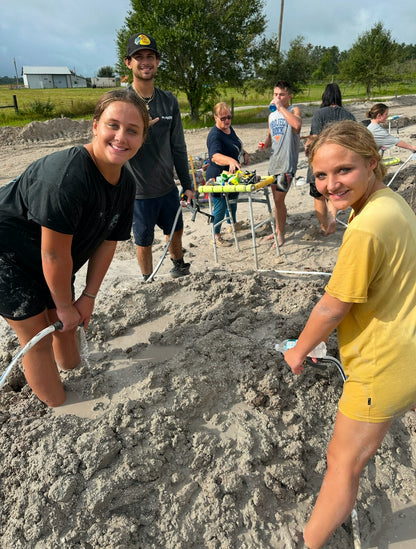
[[371, 300]]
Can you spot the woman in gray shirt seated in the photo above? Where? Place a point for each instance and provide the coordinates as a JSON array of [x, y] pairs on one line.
[[378, 115]]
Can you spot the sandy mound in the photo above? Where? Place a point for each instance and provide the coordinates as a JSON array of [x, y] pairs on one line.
[[199, 438]]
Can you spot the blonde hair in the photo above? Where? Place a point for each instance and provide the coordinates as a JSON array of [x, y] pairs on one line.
[[353, 136], [221, 106]]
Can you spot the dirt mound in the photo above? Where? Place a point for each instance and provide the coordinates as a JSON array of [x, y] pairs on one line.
[[57, 128], [203, 441]]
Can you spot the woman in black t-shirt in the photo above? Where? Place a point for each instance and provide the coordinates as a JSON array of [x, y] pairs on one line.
[[67, 209]]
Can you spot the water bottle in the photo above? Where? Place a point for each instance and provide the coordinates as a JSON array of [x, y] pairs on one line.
[[272, 107], [318, 352]]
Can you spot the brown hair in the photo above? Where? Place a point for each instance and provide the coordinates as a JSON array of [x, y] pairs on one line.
[[284, 85], [378, 108], [126, 96], [353, 136]]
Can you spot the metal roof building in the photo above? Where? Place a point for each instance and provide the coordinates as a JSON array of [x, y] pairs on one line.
[[51, 77]]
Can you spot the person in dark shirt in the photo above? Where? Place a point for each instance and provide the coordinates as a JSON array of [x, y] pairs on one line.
[[225, 152], [66, 209], [331, 110], [157, 197]]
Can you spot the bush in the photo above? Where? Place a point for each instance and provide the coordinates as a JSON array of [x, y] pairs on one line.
[[42, 108]]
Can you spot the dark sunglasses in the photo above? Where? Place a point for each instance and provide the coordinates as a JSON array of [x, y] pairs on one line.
[[224, 118]]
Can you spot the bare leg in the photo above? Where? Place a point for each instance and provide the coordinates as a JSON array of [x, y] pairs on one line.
[[65, 346], [175, 248], [39, 363], [144, 257], [332, 218], [321, 212], [351, 446], [280, 212]]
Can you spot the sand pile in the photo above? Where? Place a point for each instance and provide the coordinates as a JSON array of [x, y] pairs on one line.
[[200, 437], [57, 128]]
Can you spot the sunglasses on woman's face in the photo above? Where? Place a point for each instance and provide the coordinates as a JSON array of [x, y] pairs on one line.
[[224, 118]]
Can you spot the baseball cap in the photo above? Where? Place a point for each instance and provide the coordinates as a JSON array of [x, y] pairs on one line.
[[141, 41]]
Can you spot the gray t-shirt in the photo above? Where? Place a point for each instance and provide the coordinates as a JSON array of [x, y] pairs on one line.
[[382, 137], [326, 115], [285, 145]]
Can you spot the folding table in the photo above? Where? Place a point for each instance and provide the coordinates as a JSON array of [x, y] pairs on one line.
[[247, 193]]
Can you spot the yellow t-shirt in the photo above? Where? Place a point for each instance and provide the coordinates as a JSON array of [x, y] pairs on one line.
[[376, 271]]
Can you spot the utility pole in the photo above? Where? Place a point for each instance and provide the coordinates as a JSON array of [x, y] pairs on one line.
[[279, 39], [15, 68]]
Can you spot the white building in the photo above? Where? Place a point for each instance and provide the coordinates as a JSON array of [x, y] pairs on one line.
[[51, 77], [103, 82]]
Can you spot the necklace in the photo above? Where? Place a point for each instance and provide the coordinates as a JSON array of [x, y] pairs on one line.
[[146, 100]]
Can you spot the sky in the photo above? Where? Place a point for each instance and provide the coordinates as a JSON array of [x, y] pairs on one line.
[[81, 34]]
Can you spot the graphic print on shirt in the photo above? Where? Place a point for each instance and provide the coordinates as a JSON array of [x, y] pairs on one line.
[[277, 128]]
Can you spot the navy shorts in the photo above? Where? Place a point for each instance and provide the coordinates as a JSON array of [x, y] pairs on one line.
[[21, 294], [149, 212]]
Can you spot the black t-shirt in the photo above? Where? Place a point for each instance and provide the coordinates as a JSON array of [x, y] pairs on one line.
[[64, 192], [220, 142], [163, 150]]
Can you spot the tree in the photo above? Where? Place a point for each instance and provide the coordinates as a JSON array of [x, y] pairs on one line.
[[106, 72], [369, 60], [327, 64], [294, 66], [406, 52], [205, 44]]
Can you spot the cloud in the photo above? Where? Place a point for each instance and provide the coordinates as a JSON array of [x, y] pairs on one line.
[[82, 33]]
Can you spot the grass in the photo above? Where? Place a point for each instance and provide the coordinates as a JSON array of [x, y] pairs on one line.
[[80, 102], [35, 104]]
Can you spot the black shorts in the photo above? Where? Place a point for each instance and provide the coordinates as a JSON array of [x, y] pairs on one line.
[[310, 178], [21, 294], [313, 191]]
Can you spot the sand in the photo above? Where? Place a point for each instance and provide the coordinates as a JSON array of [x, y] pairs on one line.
[[183, 426]]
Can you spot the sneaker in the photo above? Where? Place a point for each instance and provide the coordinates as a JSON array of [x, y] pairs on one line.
[[237, 227], [180, 268], [219, 241], [300, 181]]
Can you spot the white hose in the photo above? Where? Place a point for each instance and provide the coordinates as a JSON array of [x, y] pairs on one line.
[[43, 333], [411, 157], [294, 272], [165, 251]]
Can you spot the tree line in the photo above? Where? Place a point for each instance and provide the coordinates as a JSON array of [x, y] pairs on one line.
[[210, 44]]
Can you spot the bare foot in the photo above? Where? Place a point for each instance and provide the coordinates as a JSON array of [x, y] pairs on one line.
[[332, 225], [280, 240]]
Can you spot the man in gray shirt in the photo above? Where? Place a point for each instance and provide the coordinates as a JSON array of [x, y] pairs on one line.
[[157, 197], [285, 122]]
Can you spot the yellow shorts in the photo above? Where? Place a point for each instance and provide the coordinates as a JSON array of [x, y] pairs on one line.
[[378, 400]]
